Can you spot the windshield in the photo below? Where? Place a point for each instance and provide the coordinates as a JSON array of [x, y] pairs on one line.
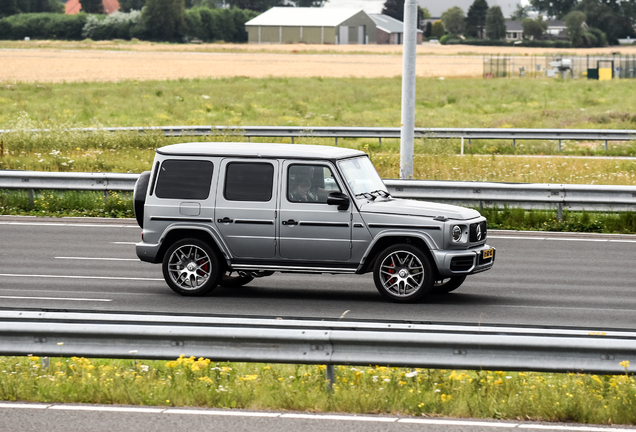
[[361, 176]]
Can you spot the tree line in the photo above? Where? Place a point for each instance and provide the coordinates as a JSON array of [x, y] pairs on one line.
[[158, 20], [589, 23]]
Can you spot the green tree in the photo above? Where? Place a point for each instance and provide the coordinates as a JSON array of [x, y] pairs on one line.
[[534, 29], [454, 20], [164, 20], [615, 18], [520, 13], [574, 27], [476, 18], [554, 8], [92, 6], [428, 30], [438, 30], [8, 7], [130, 5], [394, 9], [495, 24]]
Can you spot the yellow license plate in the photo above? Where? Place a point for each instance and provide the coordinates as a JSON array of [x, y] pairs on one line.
[[489, 253]]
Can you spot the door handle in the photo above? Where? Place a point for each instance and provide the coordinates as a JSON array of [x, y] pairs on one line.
[[225, 220], [290, 222]]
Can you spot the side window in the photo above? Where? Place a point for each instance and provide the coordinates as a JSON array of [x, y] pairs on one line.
[[249, 181], [310, 183], [184, 179]]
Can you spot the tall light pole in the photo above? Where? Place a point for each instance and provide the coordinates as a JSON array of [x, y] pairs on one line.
[[409, 53]]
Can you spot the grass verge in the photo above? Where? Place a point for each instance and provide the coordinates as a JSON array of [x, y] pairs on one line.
[[199, 382]]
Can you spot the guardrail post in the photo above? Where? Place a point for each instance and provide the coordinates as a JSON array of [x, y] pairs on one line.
[[380, 142], [514, 143], [330, 374], [31, 198], [336, 141], [45, 362], [606, 148], [560, 211], [292, 139], [559, 148]]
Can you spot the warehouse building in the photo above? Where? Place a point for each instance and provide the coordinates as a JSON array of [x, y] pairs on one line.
[[390, 30], [339, 26]]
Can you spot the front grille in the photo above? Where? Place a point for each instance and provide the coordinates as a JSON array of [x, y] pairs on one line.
[[462, 263], [478, 232]]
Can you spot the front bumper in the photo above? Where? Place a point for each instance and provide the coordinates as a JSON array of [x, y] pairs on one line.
[[464, 262]]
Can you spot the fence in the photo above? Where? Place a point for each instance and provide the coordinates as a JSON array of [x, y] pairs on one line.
[[510, 66], [520, 195], [150, 336]]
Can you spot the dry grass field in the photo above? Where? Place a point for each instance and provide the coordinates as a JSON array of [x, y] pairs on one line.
[[54, 61]]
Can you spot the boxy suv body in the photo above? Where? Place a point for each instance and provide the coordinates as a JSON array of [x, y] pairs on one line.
[[225, 213]]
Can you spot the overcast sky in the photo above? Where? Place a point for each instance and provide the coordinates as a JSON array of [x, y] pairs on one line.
[[369, 6]]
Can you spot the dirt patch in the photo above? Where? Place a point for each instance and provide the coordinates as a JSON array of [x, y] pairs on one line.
[[53, 61]]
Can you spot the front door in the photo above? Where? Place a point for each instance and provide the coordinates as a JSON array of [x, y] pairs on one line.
[[310, 229], [246, 207]]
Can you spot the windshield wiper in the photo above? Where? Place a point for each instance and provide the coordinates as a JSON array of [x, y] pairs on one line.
[[373, 195]]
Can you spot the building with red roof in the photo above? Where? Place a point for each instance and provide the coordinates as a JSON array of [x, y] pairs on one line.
[[74, 6]]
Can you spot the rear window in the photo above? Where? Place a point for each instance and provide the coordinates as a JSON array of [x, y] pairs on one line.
[[184, 179], [249, 181]]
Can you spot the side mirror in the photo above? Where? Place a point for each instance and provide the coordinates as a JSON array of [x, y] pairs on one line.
[[339, 199]]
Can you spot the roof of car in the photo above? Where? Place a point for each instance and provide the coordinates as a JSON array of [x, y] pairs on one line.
[[259, 150]]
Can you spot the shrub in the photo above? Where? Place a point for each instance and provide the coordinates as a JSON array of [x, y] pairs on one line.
[[118, 25], [43, 26]]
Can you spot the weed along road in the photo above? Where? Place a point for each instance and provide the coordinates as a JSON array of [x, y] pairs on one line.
[[541, 279]]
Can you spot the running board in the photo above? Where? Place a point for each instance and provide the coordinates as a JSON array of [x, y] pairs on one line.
[[292, 269]]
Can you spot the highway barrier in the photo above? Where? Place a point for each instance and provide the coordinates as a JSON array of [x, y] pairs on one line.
[[307, 341], [510, 134], [481, 194]]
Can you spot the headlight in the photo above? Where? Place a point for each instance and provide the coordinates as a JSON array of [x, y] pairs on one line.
[[457, 233]]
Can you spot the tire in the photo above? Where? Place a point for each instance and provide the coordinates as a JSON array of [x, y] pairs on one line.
[[191, 267], [402, 273], [234, 279], [444, 286], [139, 197]]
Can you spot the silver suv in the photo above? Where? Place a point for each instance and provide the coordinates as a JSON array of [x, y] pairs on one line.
[[226, 213]]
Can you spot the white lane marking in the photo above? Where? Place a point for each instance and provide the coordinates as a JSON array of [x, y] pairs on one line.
[[55, 298], [79, 277], [560, 239], [458, 423], [68, 225], [98, 259], [575, 428], [238, 413], [340, 417], [220, 413], [124, 243], [20, 405], [103, 408]]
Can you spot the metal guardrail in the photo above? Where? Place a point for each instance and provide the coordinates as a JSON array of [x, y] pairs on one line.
[[120, 335], [512, 134], [521, 195]]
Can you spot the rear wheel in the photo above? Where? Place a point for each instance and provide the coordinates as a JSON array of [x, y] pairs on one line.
[[402, 273], [191, 267], [444, 286]]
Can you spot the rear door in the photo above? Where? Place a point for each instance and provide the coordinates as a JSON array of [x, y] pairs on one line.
[[246, 206]]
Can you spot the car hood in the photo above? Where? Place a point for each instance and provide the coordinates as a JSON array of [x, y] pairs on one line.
[[405, 207]]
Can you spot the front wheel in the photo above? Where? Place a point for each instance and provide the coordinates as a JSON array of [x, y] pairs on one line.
[[191, 267], [444, 286], [402, 273]]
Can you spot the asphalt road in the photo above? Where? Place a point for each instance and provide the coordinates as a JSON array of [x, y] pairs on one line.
[[18, 417], [539, 279]]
